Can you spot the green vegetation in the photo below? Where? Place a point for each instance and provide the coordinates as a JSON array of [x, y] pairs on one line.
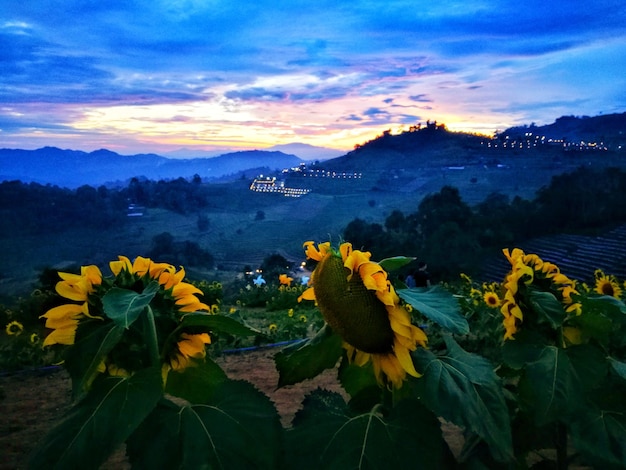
[[454, 237]]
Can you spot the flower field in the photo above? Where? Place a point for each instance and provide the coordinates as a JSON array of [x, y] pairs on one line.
[[349, 368]]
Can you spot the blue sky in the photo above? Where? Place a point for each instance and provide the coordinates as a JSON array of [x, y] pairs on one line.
[[158, 75]]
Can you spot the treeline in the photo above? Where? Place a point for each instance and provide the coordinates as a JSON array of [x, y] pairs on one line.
[[35, 208], [453, 237]]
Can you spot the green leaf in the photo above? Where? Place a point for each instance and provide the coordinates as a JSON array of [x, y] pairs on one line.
[[360, 383], [600, 435], [438, 305], [619, 367], [325, 435], [526, 347], [308, 359], [192, 382], [124, 306], [550, 387], [610, 301], [94, 340], [463, 388], [235, 426], [394, 263], [102, 421], [547, 307], [218, 323]]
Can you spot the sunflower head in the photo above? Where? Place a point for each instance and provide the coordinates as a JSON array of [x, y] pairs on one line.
[[607, 285], [350, 308], [491, 299], [14, 328], [357, 300]]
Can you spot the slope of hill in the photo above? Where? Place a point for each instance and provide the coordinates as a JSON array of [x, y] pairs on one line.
[[609, 129], [73, 168]]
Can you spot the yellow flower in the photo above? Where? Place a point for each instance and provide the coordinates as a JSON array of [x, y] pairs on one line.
[[14, 328], [79, 286], [190, 346], [290, 312], [64, 321], [285, 280], [185, 297], [607, 285], [34, 338], [491, 299], [273, 327], [357, 300], [303, 318]]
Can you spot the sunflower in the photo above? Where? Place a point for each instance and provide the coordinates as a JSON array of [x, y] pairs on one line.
[[188, 348], [491, 299], [357, 300], [14, 328], [64, 319], [527, 269], [607, 285]]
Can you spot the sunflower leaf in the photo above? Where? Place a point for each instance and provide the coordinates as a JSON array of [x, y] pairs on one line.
[[98, 424], [326, 435], [124, 306], [233, 426], [599, 435], [396, 262], [547, 306], [192, 383], [94, 340], [550, 384], [306, 360], [437, 305], [462, 388], [618, 366]]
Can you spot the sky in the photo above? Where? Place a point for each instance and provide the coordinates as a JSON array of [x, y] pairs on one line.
[[140, 76]]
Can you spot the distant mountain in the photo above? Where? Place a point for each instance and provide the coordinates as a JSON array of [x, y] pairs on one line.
[[308, 152], [194, 153], [303, 151], [73, 168]]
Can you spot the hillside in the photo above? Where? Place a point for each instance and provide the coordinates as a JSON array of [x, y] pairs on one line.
[[609, 129]]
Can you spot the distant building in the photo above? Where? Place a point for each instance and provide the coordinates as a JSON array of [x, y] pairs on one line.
[[263, 184]]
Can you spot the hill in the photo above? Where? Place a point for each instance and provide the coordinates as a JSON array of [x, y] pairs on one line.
[[74, 168], [610, 129]]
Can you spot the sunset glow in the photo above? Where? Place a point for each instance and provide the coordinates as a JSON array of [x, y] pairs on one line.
[[224, 75]]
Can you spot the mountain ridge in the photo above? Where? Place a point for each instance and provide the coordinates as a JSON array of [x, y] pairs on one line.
[[74, 168]]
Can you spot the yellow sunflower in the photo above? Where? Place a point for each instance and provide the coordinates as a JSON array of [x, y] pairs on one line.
[[357, 300], [491, 299], [64, 319], [189, 347], [607, 285], [527, 269], [14, 328]]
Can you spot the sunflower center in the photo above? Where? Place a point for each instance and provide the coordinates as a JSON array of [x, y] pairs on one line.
[[351, 309], [607, 289]]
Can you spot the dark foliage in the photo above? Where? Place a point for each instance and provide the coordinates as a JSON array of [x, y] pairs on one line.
[[453, 237]]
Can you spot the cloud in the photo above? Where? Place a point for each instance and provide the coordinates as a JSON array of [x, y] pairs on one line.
[[304, 67]]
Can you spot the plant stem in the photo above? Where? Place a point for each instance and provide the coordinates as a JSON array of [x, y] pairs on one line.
[[561, 447], [153, 344]]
